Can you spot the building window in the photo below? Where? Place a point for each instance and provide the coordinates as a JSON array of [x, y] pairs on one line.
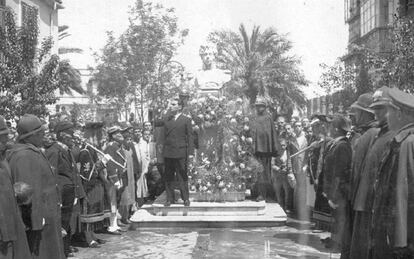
[[2, 3], [392, 10], [27, 12], [351, 9], [369, 16]]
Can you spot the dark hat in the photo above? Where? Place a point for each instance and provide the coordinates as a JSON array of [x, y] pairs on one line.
[[381, 97], [341, 122], [401, 99], [63, 126], [28, 125], [114, 129], [319, 118], [94, 125], [260, 101], [3, 126], [363, 103]]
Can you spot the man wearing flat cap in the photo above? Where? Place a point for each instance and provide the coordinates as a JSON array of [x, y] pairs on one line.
[[29, 165], [13, 240], [393, 208], [363, 187], [265, 145], [61, 158]]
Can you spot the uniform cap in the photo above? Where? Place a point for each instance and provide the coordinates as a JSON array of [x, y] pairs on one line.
[[28, 125], [381, 97], [3, 126], [363, 103], [402, 99], [63, 126]]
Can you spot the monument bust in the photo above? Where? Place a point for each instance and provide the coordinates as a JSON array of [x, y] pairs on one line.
[[210, 79]]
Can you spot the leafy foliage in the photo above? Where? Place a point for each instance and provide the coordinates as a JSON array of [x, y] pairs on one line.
[[370, 70], [395, 67], [226, 161], [260, 64], [29, 76], [138, 62]]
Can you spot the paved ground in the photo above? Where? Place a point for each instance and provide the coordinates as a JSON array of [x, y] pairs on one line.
[[295, 240]]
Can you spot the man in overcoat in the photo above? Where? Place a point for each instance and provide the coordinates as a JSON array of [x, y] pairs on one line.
[[265, 146], [62, 160], [392, 234], [177, 150], [363, 134], [362, 195], [29, 165], [13, 241]]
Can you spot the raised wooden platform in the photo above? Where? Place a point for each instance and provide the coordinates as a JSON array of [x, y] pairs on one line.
[[205, 214]]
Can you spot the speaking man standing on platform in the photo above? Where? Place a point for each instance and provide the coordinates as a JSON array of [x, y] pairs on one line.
[[178, 149]]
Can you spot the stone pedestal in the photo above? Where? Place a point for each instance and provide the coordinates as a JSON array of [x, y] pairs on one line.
[[211, 214]]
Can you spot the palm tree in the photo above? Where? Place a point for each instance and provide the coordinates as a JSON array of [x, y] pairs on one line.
[[70, 76], [261, 63]]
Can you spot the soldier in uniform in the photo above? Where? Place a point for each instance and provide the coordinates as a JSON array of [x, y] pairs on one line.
[[337, 167], [362, 191], [61, 158], [392, 234], [13, 241], [363, 116], [361, 137], [28, 164]]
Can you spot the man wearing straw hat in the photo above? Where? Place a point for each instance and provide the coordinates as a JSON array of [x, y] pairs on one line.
[[28, 164]]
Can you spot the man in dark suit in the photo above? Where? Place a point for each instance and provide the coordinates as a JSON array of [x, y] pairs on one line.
[[178, 148]]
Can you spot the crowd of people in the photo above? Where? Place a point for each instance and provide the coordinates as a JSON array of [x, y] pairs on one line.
[[61, 184], [355, 172]]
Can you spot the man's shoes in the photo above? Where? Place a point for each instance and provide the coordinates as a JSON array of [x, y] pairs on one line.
[[73, 249], [260, 198], [121, 224], [101, 241], [125, 221], [167, 204], [70, 255], [187, 203], [94, 244], [116, 232]]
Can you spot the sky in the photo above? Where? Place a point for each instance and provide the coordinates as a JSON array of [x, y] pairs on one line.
[[315, 27]]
